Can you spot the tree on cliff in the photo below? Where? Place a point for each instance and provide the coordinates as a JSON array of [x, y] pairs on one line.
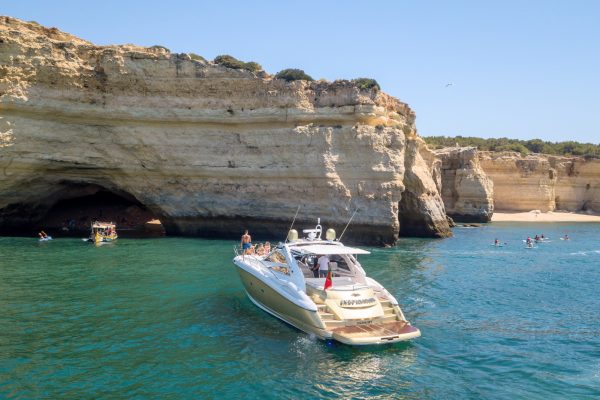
[[568, 148], [293, 74], [232, 62]]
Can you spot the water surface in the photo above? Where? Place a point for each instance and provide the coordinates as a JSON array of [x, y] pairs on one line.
[[168, 318]]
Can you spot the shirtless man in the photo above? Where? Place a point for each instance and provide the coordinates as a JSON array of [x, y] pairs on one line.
[[246, 242]]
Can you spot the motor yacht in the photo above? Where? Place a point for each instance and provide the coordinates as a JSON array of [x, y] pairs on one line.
[[346, 305]]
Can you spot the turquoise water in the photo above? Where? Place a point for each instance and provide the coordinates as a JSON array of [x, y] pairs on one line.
[[168, 318]]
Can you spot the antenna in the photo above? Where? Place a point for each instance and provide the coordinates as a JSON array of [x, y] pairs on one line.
[[292, 225], [346, 227]]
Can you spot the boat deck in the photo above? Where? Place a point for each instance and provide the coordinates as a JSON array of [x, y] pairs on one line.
[[375, 333]]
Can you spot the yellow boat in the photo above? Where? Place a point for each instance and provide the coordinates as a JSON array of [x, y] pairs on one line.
[[103, 232]]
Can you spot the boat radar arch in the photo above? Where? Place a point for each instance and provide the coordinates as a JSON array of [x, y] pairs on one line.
[[314, 234], [292, 235], [330, 234]]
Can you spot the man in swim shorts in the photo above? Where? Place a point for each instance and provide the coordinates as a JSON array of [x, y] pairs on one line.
[[246, 242]]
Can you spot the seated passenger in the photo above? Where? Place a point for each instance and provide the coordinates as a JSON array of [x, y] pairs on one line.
[[267, 247], [260, 250]]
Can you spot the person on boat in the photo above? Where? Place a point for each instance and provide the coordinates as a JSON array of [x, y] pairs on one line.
[[260, 250], [528, 240], [315, 266], [536, 238], [267, 247], [246, 242], [566, 237], [543, 237], [530, 245], [323, 266]]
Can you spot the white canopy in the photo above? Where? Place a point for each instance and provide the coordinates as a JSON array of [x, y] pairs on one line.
[[328, 249]]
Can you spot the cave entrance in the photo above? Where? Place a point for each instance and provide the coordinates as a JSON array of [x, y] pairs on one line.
[[75, 207]]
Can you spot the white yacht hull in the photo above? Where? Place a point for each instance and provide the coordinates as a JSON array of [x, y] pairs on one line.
[[349, 332], [278, 305]]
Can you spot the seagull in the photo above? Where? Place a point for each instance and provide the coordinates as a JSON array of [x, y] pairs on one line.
[[449, 84]]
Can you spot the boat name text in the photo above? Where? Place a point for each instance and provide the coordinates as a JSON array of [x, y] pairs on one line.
[[357, 302]]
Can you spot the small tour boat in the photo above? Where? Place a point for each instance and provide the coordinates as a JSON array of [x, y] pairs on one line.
[[102, 232], [346, 305]]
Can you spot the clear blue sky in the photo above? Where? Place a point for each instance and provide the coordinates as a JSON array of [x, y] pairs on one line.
[[521, 69]]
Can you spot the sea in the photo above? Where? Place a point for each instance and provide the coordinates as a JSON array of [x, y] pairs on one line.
[[168, 318]]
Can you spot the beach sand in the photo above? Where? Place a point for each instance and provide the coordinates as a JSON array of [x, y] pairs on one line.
[[550, 216]]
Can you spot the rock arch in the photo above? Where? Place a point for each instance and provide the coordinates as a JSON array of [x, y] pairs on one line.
[[68, 206]]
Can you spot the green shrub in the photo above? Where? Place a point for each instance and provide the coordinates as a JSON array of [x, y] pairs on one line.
[[232, 62], [293, 74], [197, 57], [366, 84], [252, 66]]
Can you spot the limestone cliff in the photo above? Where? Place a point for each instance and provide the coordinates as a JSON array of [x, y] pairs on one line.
[[467, 191], [542, 182], [208, 149]]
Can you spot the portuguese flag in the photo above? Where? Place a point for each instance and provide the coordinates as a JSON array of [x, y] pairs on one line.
[[328, 282]]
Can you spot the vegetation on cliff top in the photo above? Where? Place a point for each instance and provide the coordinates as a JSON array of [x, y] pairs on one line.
[[197, 57], [232, 62], [568, 148], [293, 74], [366, 84]]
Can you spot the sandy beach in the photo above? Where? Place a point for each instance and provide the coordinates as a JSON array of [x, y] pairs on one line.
[[550, 216]]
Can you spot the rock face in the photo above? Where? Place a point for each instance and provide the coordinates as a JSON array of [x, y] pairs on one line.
[[420, 209], [467, 191], [542, 182], [208, 149]]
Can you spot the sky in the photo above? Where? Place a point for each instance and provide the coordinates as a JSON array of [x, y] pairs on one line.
[[517, 69]]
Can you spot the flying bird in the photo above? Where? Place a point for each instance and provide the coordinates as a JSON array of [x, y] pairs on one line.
[[449, 84]]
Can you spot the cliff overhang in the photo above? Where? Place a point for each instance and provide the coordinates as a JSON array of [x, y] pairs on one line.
[[207, 149]]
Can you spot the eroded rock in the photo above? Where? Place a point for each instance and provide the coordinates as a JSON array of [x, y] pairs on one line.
[[208, 149], [467, 191]]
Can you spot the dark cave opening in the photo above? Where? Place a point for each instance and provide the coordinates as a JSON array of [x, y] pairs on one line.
[[73, 216], [70, 211]]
